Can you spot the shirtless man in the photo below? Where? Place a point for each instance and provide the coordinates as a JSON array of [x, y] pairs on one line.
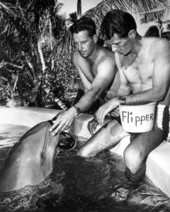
[[96, 67], [144, 68]]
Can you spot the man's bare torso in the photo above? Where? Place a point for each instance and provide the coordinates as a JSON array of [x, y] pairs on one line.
[[138, 70], [89, 67]]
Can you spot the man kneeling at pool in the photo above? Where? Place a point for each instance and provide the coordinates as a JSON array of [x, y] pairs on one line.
[[144, 69], [96, 67]]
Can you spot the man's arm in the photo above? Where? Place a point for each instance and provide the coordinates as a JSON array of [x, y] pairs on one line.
[[112, 104], [160, 82], [105, 75], [80, 64], [124, 88], [160, 78]]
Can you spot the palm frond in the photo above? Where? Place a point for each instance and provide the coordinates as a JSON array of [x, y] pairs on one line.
[[147, 10], [79, 12], [8, 8]]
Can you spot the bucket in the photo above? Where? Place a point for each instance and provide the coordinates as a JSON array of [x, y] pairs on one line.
[[138, 118]]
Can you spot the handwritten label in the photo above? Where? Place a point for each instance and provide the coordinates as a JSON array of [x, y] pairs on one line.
[[129, 117]]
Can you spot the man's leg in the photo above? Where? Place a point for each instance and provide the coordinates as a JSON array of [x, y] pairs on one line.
[[109, 135], [137, 151]]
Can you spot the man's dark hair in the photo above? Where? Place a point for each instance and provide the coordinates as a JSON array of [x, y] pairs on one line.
[[84, 23], [117, 21]]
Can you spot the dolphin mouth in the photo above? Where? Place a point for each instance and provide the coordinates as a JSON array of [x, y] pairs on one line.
[[47, 143], [66, 141]]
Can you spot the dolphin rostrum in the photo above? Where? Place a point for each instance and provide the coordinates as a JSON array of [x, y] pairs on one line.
[[30, 160]]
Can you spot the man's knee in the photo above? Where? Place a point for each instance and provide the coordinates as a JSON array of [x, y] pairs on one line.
[[135, 164], [84, 152], [133, 159], [89, 149]]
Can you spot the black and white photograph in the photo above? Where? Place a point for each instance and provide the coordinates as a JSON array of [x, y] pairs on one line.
[[84, 105]]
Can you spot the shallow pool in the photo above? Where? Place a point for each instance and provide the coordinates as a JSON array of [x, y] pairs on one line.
[[80, 185], [10, 133]]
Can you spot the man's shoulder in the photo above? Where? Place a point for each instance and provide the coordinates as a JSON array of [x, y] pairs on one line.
[[106, 55], [77, 58], [155, 44], [76, 54]]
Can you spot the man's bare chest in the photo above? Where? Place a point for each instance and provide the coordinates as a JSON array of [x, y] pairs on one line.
[[137, 70]]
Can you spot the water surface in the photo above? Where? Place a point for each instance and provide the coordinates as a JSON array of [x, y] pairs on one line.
[[81, 185]]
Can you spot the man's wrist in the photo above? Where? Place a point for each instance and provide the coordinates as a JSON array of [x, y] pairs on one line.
[[122, 100], [77, 109]]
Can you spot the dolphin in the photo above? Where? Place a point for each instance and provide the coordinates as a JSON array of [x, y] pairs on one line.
[[31, 159]]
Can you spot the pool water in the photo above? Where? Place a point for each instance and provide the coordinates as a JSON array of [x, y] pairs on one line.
[[9, 134], [81, 185]]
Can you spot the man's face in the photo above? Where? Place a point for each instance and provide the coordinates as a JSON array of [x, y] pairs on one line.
[[84, 43], [121, 45]]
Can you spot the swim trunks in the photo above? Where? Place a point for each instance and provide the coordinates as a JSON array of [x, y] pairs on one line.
[[163, 120]]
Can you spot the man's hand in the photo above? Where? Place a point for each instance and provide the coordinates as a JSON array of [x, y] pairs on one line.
[[115, 112], [105, 109], [63, 120]]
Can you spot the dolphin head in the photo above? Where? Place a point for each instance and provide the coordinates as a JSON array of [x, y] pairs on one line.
[[30, 160]]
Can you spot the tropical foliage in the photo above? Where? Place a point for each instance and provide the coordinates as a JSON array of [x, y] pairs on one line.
[[34, 44], [36, 48], [147, 10]]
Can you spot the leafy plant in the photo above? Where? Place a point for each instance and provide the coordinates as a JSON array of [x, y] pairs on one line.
[[36, 48], [33, 35]]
